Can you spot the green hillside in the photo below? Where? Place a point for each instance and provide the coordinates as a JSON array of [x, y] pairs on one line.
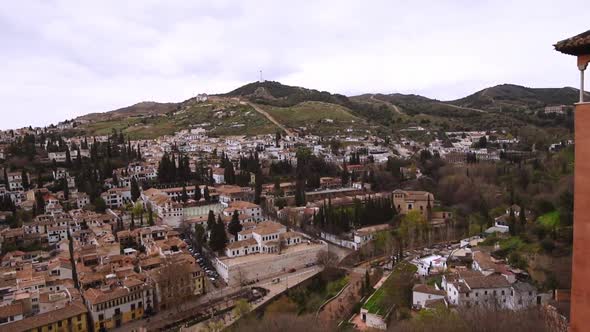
[[319, 118], [220, 117]]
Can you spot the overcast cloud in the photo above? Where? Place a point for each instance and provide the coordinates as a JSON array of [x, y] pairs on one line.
[[62, 59]]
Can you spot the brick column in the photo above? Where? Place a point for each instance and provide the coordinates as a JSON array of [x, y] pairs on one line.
[[580, 294]]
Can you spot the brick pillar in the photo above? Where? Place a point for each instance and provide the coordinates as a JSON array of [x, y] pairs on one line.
[[580, 295]]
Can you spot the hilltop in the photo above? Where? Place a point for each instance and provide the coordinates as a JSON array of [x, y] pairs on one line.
[[265, 107]]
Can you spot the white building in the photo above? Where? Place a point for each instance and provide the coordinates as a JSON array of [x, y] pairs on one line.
[[424, 296]]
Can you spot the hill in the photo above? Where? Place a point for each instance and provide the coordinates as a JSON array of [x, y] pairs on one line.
[[146, 108], [513, 97], [219, 116], [318, 118], [320, 112], [280, 95]]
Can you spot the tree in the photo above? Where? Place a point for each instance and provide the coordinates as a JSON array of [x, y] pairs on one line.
[[68, 158], [241, 308], [135, 193], [327, 259], [210, 221], [100, 205], [206, 194], [25, 179], [277, 138], [65, 188], [150, 216], [522, 219], [199, 236], [198, 195], [512, 222], [184, 195], [234, 226], [138, 211], [132, 224], [218, 238], [257, 187], [300, 192]]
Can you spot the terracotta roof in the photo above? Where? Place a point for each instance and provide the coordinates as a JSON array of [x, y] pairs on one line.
[[576, 45], [422, 288], [94, 296], [491, 281], [11, 310], [39, 320], [242, 205], [243, 243]]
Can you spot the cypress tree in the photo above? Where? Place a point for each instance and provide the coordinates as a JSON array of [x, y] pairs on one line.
[[234, 226], [198, 195], [206, 194]]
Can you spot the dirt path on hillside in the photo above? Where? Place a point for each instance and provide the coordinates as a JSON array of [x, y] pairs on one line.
[[395, 108], [270, 118], [464, 108]]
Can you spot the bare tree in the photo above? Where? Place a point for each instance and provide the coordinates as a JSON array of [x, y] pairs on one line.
[[327, 259]]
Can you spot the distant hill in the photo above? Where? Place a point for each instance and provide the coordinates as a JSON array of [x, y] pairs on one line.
[[280, 95], [324, 113], [510, 96], [145, 108]]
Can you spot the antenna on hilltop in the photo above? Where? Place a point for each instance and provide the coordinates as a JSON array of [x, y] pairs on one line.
[[260, 80]]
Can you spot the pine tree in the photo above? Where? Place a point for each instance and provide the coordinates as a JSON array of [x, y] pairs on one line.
[[234, 226]]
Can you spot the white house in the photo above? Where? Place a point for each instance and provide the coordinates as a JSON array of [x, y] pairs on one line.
[[430, 264], [423, 296]]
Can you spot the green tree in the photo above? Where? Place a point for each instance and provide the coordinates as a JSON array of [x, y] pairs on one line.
[[218, 238], [150, 216], [210, 221], [234, 226], [100, 205], [198, 195], [184, 195], [258, 187], [199, 236], [135, 193], [206, 194]]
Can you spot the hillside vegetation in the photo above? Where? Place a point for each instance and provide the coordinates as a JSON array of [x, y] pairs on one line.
[[503, 107], [318, 118], [220, 117]]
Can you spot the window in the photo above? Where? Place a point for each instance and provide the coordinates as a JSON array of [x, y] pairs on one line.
[[476, 294], [100, 317], [486, 293]]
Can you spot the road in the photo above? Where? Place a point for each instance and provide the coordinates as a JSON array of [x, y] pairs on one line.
[[270, 118]]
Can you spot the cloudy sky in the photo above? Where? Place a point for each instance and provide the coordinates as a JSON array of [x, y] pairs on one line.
[[61, 59]]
